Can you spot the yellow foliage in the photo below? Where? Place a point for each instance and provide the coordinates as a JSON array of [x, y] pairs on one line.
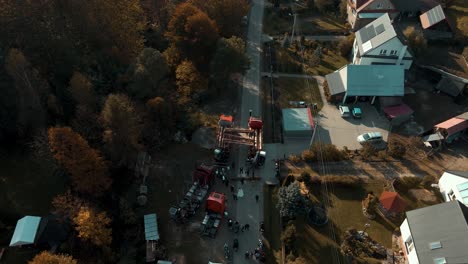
[[48, 258], [93, 227]]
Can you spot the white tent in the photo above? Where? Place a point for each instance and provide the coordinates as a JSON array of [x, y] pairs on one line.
[[25, 231]]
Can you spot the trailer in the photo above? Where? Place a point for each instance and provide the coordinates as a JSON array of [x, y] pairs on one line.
[[227, 135], [215, 208]]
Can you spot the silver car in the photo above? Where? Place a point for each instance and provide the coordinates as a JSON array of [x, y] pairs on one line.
[[370, 137]]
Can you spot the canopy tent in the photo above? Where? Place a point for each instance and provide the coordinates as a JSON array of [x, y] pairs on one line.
[[25, 231], [216, 202], [151, 227], [392, 202]]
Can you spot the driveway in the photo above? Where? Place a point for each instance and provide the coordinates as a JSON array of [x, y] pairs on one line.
[[343, 132]]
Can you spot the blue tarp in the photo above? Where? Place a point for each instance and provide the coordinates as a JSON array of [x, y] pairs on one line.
[[25, 231], [151, 227]]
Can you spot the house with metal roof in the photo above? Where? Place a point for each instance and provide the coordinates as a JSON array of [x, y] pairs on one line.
[[366, 80], [379, 44], [452, 129], [453, 185], [411, 8], [297, 122], [362, 12], [435, 24], [436, 234]]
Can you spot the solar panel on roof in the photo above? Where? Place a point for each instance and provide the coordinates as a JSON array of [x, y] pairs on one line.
[[371, 31], [151, 227], [379, 29]]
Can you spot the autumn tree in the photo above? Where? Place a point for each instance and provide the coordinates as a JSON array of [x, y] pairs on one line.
[[193, 33], [227, 14], [231, 50], [31, 93], [46, 257], [189, 82], [93, 226], [159, 123], [86, 167], [416, 40], [345, 45], [290, 201], [121, 129], [67, 205], [82, 91], [147, 74]]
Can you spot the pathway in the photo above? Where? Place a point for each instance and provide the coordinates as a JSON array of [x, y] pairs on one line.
[[317, 37]]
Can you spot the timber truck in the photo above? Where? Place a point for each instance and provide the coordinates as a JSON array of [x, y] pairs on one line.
[[252, 136]]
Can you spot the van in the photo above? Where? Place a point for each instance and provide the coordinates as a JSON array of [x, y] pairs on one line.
[[370, 137]]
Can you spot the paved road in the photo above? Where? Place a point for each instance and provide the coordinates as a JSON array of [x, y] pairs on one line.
[[248, 211]]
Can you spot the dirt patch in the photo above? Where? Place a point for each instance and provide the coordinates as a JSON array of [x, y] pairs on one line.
[[423, 195]]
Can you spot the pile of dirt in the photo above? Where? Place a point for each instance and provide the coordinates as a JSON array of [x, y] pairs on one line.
[[359, 244]]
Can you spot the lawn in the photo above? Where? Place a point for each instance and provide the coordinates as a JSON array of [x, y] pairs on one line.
[[457, 11], [317, 244], [310, 23], [291, 61], [297, 89]]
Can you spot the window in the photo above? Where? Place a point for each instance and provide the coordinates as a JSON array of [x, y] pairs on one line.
[[440, 261], [435, 245], [393, 52], [383, 52], [379, 6], [409, 244]]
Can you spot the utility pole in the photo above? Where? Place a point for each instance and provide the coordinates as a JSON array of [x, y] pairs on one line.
[[294, 27]]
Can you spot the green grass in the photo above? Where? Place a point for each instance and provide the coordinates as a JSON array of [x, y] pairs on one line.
[[330, 63], [457, 11], [316, 243], [297, 89]]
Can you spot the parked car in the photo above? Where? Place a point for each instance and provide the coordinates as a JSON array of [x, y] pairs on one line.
[[357, 113], [371, 137], [344, 111]]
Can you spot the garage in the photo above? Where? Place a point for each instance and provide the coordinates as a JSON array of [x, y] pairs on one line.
[[297, 122]]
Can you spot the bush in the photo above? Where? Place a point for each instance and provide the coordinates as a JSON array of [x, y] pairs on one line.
[[329, 152], [382, 155], [396, 149], [343, 181], [293, 158], [288, 237], [407, 182], [367, 151], [308, 156], [326, 91], [427, 181], [346, 45]]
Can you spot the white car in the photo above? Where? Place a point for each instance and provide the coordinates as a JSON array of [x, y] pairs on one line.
[[370, 137], [344, 111]]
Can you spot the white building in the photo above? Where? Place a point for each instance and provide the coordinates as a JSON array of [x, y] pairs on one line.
[[436, 234], [453, 185], [378, 43]]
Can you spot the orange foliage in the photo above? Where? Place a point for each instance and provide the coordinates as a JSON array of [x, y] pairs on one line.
[[93, 227], [48, 258], [88, 170]]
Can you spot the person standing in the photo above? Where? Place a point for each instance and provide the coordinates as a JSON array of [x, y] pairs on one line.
[[256, 198], [232, 188], [241, 170], [242, 180]]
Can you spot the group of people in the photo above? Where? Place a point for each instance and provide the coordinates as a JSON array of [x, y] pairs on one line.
[[258, 253], [247, 173], [235, 226]]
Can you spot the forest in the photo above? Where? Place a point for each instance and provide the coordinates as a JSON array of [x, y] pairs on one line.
[[87, 85]]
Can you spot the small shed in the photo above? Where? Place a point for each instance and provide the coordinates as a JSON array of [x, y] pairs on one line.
[[151, 227], [392, 202], [25, 231], [452, 128], [297, 122]]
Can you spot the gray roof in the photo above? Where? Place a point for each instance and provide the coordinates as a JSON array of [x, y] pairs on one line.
[[463, 174], [368, 80], [375, 34], [336, 81], [450, 86], [445, 223]]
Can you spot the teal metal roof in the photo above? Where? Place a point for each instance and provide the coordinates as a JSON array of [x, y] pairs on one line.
[[25, 231], [297, 119], [375, 80], [151, 227]]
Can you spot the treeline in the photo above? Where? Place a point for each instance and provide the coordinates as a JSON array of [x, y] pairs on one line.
[[91, 83]]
